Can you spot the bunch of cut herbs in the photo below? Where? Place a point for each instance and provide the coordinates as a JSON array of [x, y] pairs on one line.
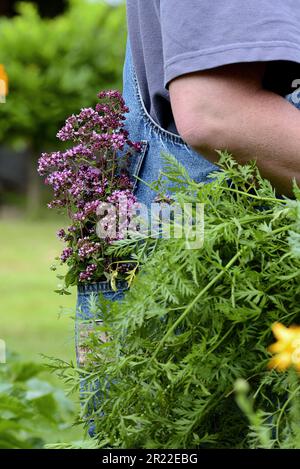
[[196, 320], [86, 179]]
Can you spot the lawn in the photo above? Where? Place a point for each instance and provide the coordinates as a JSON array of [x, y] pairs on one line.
[[34, 320]]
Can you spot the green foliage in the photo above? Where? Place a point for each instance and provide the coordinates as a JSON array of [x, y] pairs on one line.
[[196, 320], [280, 429], [80, 444], [29, 406], [56, 66]]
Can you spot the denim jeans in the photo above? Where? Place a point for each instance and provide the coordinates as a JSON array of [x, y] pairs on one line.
[[147, 166], [87, 293], [86, 318]]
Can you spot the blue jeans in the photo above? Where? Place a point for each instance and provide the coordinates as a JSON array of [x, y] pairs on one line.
[[147, 166], [86, 318]]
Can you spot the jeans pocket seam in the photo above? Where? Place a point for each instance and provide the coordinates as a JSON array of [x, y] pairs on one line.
[[139, 162]]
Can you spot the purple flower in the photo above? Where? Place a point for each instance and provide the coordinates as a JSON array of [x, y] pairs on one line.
[[50, 162], [67, 252], [68, 131], [57, 203], [88, 273], [90, 174], [61, 234], [87, 248], [126, 205]]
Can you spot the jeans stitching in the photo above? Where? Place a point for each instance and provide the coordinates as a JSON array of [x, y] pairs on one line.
[[154, 125], [139, 163]]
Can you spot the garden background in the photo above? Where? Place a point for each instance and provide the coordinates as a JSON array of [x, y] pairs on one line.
[[57, 56], [193, 383]]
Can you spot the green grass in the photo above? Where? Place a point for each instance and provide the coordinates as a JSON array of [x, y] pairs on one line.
[[34, 321]]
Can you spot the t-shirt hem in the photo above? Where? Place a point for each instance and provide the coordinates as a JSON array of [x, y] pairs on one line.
[[211, 58]]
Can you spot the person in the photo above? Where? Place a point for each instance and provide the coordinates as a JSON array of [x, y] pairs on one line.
[[200, 76], [215, 74]]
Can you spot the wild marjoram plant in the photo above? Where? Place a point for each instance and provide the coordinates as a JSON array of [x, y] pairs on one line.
[[85, 179], [196, 320]]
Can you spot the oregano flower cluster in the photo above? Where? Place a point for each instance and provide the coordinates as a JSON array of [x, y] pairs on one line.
[[87, 176]]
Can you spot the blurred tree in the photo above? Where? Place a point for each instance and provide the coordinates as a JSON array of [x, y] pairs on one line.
[[55, 67], [49, 9]]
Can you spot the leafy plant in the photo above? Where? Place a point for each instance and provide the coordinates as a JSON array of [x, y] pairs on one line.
[[279, 429], [29, 406], [196, 320]]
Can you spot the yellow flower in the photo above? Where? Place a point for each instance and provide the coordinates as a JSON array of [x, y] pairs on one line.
[[3, 81], [287, 347]]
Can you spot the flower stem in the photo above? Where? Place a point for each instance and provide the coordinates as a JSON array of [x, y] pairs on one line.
[[195, 300]]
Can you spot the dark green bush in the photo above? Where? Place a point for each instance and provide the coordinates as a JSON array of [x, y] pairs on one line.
[[56, 66]]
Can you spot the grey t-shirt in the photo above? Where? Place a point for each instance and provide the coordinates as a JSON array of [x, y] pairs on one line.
[[172, 37]]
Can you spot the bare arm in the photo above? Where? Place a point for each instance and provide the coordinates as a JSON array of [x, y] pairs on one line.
[[227, 108]]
